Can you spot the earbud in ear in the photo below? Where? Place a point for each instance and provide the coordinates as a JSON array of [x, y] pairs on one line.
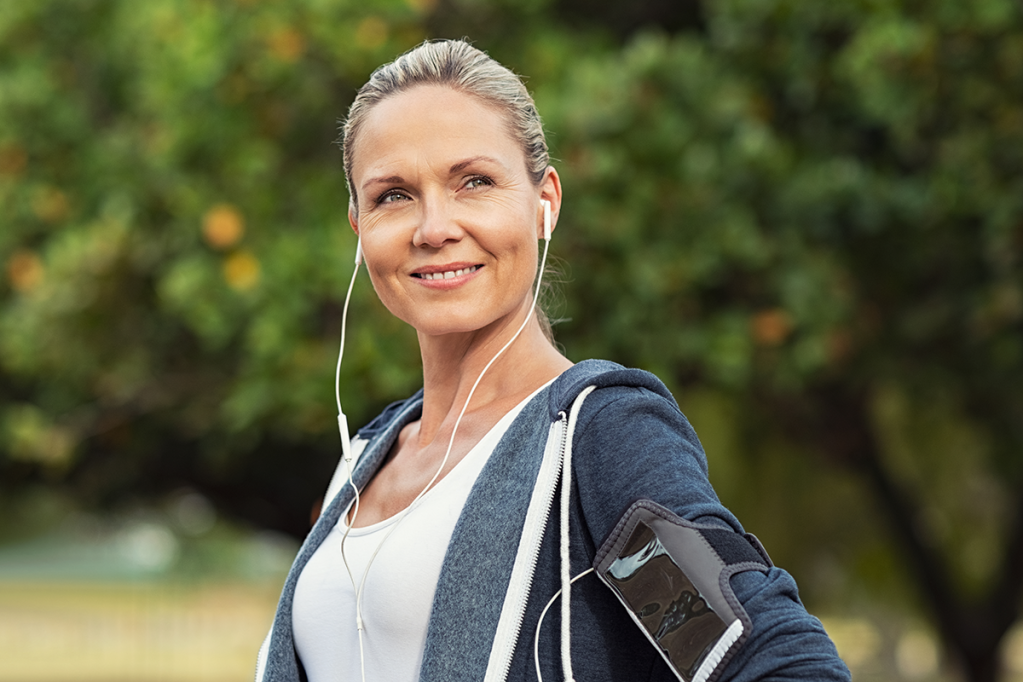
[[358, 253], [546, 219]]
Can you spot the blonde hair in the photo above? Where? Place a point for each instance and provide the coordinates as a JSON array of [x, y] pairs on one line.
[[459, 65]]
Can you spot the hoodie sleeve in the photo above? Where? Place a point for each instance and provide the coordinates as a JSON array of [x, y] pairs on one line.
[[632, 444]]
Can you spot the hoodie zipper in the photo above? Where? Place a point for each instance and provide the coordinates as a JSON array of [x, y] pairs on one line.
[[517, 596], [261, 658]]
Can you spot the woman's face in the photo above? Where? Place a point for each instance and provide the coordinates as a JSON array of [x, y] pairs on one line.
[[447, 213]]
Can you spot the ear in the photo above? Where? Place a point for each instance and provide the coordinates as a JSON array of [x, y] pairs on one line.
[[353, 217], [550, 189]]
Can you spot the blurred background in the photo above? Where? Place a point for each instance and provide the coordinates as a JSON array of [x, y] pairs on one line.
[[806, 217]]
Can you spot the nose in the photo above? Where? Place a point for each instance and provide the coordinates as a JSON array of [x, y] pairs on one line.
[[437, 224]]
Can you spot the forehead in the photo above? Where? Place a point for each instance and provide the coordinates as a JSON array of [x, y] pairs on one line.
[[433, 123]]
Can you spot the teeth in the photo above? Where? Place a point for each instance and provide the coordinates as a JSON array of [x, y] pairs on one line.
[[450, 274]]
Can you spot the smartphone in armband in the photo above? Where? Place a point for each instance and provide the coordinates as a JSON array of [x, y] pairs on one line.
[[671, 575]]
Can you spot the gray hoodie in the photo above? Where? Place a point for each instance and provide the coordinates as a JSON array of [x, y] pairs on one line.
[[628, 441]]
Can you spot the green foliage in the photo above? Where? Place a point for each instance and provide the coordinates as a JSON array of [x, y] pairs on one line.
[[173, 201], [815, 208], [806, 207]]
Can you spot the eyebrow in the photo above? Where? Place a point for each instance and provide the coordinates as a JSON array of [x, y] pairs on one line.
[[462, 165], [456, 168], [389, 180]]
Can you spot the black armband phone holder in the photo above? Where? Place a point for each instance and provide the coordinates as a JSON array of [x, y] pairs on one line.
[[672, 576]]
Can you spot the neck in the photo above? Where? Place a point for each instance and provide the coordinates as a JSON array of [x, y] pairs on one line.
[[452, 364]]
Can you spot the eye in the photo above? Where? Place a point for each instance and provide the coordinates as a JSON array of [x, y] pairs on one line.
[[478, 181], [391, 196]]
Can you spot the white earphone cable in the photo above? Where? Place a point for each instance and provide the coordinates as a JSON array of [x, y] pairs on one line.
[[346, 448], [342, 420], [344, 325], [539, 623]]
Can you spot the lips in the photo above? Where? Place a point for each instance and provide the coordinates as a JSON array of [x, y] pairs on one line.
[[447, 274]]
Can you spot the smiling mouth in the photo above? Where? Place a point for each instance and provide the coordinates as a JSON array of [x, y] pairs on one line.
[[449, 274]]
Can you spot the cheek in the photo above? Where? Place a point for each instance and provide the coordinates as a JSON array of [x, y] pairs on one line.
[[527, 253], [379, 262], [381, 275], [390, 294], [381, 246]]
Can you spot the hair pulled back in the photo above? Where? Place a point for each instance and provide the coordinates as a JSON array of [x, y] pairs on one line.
[[459, 65]]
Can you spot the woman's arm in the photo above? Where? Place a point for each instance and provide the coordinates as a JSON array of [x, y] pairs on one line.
[[633, 444]]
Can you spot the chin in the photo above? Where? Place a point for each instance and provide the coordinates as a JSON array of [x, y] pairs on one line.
[[452, 322], [449, 327]]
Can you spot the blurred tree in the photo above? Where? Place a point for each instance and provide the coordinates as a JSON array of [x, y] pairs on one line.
[[170, 190], [623, 19], [806, 217], [818, 208]]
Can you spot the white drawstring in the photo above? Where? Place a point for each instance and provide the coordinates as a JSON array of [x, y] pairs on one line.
[[566, 568]]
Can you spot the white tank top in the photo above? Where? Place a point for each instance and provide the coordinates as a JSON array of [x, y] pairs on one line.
[[398, 596]]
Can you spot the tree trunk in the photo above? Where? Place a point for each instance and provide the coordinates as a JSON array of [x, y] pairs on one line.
[[836, 423]]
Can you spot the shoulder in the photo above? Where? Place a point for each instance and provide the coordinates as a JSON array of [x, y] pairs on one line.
[[612, 380], [637, 443], [624, 400], [630, 442]]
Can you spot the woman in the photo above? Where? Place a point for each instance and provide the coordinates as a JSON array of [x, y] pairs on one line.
[[486, 494]]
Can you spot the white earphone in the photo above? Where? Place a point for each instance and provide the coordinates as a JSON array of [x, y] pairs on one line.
[[546, 219]]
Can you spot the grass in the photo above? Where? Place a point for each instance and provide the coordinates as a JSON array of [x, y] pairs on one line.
[[132, 632]]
